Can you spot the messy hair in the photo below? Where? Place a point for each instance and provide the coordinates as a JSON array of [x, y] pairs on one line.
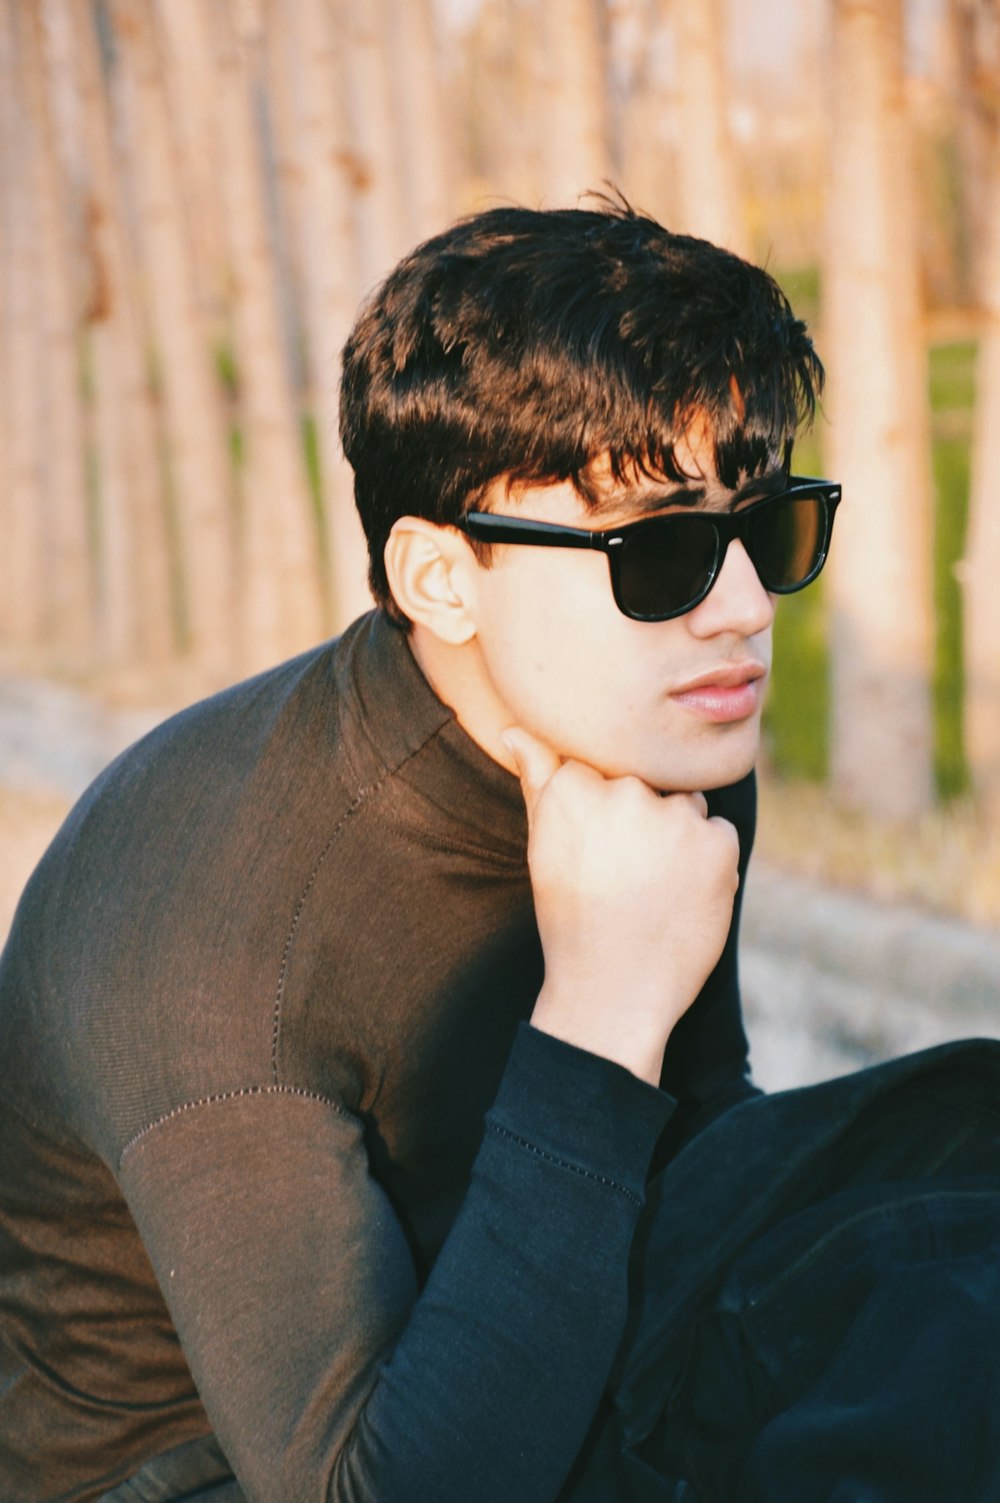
[[526, 344]]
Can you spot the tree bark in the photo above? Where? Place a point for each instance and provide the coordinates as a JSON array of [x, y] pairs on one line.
[[197, 439], [136, 616], [497, 79], [67, 588], [973, 25], [19, 478], [573, 115], [422, 140], [982, 566], [708, 193], [189, 82], [874, 341], [380, 216], [319, 165], [645, 104], [281, 608]]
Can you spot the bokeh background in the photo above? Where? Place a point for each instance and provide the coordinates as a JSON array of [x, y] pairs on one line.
[[194, 197]]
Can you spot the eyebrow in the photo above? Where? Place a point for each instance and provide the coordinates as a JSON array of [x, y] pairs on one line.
[[683, 495]]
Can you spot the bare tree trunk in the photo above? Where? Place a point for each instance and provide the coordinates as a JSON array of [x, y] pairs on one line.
[[573, 116], [973, 25], [422, 141], [69, 615], [280, 577], [12, 342], [189, 80], [645, 104], [319, 153], [880, 575], [708, 193], [982, 567], [501, 95], [196, 432], [378, 194], [135, 606]]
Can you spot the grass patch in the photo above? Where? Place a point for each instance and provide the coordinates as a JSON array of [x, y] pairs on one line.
[[944, 861], [796, 721]]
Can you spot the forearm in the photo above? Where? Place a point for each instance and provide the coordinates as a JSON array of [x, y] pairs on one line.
[[484, 1386]]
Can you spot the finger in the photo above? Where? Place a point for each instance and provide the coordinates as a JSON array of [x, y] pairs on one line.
[[700, 802], [731, 833], [535, 762]]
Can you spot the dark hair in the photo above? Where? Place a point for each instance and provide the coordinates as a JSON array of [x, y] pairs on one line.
[[528, 343]]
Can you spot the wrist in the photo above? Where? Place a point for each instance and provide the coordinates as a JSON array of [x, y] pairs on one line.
[[635, 1044]]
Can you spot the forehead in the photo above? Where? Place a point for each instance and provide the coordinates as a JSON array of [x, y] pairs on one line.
[[694, 479]]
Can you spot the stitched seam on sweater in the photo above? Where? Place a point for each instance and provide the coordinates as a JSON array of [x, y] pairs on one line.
[[243, 1092], [359, 798], [552, 1158]]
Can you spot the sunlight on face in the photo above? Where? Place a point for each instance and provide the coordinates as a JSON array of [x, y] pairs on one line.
[[677, 702]]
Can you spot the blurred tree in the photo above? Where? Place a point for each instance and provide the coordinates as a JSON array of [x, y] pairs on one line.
[[982, 566], [643, 104], [66, 586], [133, 557], [21, 349], [378, 196], [707, 191], [278, 572], [423, 139], [874, 340], [196, 434], [494, 77], [573, 117], [318, 162], [974, 27], [189, 79]]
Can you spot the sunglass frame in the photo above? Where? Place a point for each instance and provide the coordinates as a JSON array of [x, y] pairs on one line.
[[494, 527]]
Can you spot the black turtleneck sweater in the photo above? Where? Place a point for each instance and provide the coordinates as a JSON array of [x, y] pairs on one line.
[[282, 1161]]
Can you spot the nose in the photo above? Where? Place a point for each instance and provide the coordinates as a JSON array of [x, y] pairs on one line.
[[737, 602]]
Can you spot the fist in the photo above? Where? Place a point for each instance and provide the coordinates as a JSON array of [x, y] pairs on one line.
[[633, 896]]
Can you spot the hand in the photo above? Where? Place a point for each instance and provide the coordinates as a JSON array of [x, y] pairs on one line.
[[633, 896]]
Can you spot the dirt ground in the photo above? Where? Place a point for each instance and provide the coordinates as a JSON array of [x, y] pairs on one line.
[[27, 823]]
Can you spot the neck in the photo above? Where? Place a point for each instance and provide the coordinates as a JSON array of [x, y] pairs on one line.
[[458, 677]]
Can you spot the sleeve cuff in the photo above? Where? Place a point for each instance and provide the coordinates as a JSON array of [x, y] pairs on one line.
[[581, 1108]]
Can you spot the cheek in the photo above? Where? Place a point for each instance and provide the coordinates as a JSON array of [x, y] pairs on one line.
[[545, 622], [566, 661]]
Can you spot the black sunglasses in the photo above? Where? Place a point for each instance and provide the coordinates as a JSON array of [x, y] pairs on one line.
[[663, 566]]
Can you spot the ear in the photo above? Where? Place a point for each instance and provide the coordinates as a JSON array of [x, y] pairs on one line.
[[428, 568]]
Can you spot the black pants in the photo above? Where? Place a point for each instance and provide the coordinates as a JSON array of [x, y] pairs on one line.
[[817, 1300]]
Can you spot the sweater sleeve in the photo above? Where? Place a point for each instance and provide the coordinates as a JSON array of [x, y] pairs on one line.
[[323, 1370], [706, 1066]]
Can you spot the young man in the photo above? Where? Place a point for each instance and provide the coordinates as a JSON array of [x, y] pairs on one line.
[[329, 1096]]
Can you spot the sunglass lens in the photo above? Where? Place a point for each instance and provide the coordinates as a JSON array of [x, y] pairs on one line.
[[785, 541], [666, 565]]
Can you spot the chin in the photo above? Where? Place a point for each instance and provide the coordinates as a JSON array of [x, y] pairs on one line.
[[701, 772]]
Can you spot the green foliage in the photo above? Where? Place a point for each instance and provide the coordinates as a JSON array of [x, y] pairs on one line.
[[801, 287], [797, 712], [796, 720], [952, 382]]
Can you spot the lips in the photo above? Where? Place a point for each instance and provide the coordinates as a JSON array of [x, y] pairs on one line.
[[724, 676], [728, 692]]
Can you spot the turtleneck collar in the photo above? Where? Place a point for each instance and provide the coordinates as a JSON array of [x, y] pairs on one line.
[[392, 721]]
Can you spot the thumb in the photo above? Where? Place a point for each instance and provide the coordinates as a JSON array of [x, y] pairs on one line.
[[534, 761]]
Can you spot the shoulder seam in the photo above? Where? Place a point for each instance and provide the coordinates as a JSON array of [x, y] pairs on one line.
[[242, 1093], [552, 1158], [362, 795]]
